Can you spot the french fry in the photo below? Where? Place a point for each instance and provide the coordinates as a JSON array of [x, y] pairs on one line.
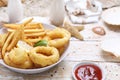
[[28, 30], [34, 26], [74, 32], [0, 55], [29, 42], [12, 26], [27, 21], [16, 38], [4, 48], [3, 37], [79, 28], [34, 40], [35, 34], [22, 32]]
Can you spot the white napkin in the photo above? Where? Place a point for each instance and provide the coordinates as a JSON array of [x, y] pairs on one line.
[[77, 20], [89, 16]]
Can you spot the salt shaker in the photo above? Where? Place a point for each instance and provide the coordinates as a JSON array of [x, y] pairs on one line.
[[57, 12], [15, 11]]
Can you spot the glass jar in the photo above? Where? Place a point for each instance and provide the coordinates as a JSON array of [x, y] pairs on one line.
[[15, 11], [57, 12]]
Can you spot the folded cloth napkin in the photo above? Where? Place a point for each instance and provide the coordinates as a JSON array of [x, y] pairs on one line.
[[83, 20], [88, 17]]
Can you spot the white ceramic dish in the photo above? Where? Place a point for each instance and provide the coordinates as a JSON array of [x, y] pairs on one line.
[[112, 46], [79, 13], [112, 16], [87, 63], [37, 70]]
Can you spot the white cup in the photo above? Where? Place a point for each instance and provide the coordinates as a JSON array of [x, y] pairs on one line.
[[57, 12]]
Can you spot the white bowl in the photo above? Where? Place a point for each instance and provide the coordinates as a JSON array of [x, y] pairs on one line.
[[87, 63], [33, 71], [37, 70]]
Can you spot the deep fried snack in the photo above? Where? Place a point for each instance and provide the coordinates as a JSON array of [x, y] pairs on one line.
[[44, 56], [0, 54], [63, 48], [79, 28], [18, 58], [3, 37], [74, 31], [4, 48], [16, 38], [28, 30], [35, 34], [12, 26], [59, 37], [34, 26], [27, 21], [35, 40], [3, 3]]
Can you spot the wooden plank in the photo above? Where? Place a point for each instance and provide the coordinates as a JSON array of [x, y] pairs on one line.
[[62, 71], [89, 35], [79, 51]]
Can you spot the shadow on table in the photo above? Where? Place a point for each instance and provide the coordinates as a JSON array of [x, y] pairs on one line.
[[115, 28], [109, 57]]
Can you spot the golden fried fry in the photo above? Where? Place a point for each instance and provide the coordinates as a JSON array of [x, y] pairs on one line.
[[34, 26], [74, 32], [35, 34], [12, 26], [34, 40], [4, 48], [22, 32], [0, 53], [16, 38], [28, 30], [47, 38], [33, 30], [3, 37], [28, 42], [79, 28], [27, 21]]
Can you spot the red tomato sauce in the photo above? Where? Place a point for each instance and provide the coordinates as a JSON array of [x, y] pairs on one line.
[[88, 72]]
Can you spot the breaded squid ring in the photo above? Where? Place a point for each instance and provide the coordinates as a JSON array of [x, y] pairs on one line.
[[59, 37], [44, 56], [18, 58]]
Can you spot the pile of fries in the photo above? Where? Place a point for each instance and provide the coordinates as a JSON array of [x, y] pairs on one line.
[[27, 31]]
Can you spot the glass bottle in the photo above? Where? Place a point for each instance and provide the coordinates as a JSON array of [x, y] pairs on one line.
[[57, 12], [15, 11]]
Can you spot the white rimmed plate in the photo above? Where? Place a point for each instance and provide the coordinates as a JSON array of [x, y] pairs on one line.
[[37, 70], [112, 46], [112, 16]]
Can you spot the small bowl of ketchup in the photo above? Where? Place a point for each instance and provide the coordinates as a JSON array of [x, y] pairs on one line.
[[88, 71]]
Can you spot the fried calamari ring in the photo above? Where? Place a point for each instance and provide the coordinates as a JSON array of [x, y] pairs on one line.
[[63, 48], [44, 56], [59, 37], [18, 58]]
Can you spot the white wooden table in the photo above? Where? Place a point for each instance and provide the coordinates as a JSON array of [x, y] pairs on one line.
[[79, 51]]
